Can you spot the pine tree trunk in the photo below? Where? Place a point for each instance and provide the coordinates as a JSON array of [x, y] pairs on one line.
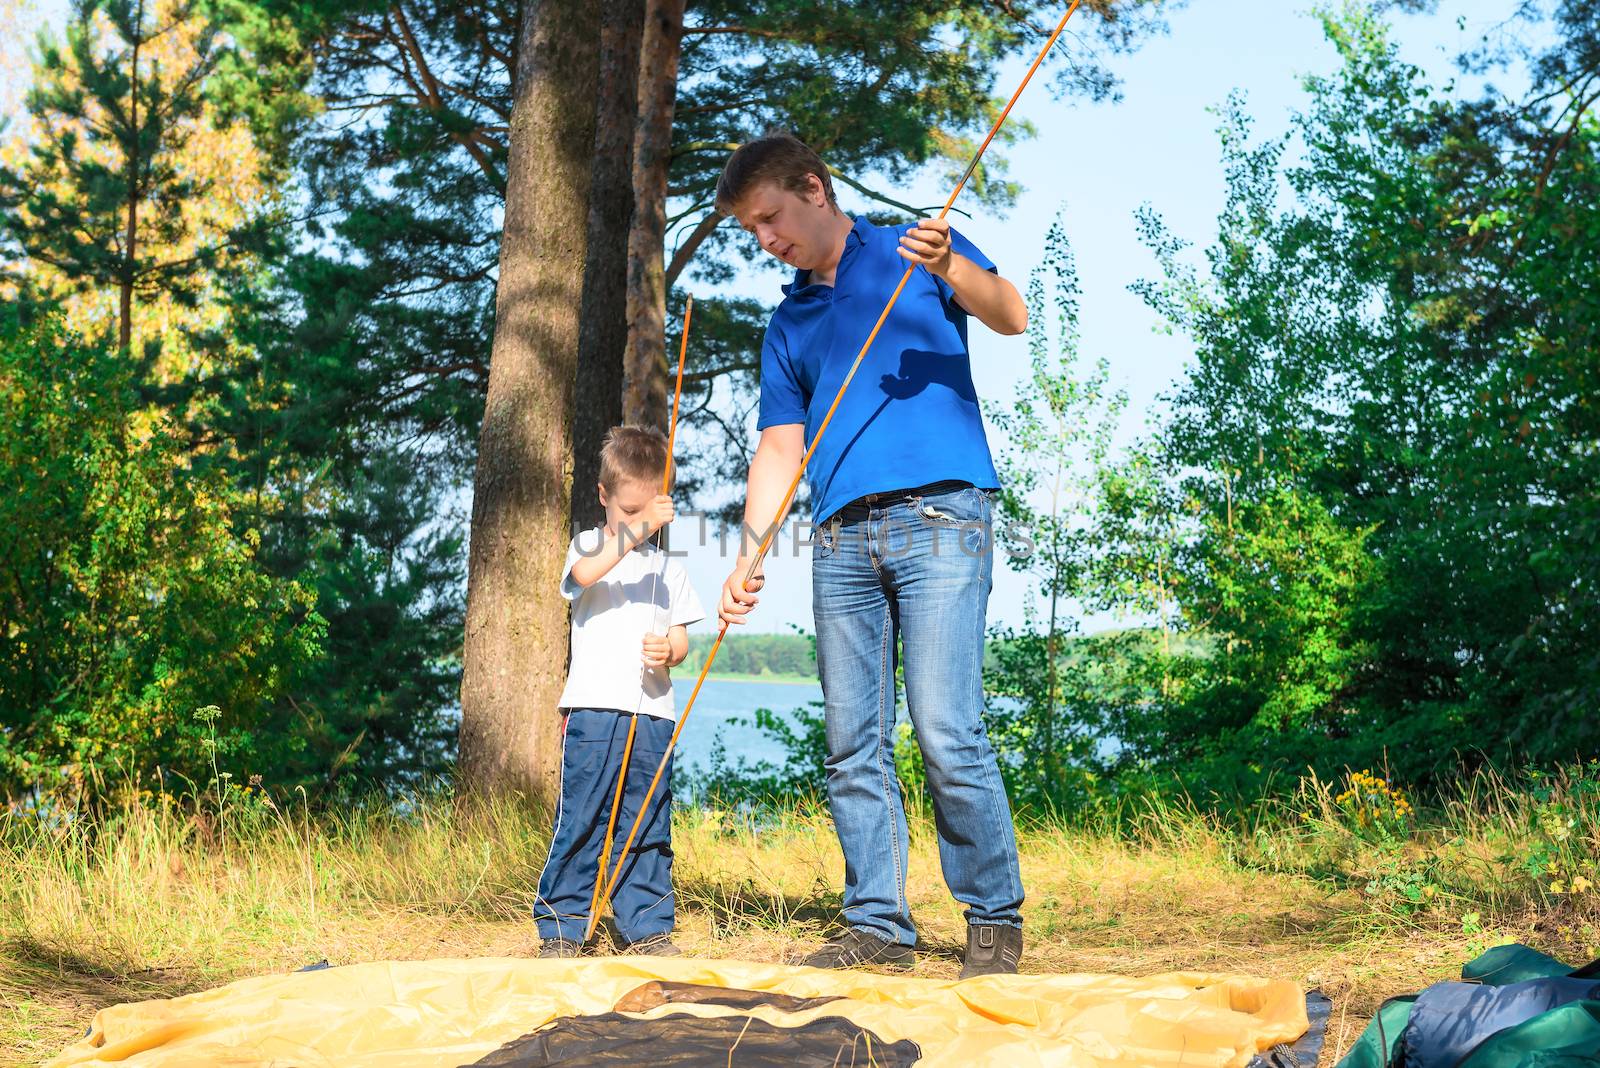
[[603, 337], [516, 636], [645, 382]]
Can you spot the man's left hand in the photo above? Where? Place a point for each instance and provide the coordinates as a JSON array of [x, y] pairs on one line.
[[928, 243]]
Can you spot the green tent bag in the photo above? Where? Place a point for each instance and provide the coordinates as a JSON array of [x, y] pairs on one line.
[[1516, 1036]]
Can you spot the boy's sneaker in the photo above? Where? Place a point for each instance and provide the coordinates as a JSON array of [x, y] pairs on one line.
[[559, 948], [853, 946], [656, 945], [992, 949]]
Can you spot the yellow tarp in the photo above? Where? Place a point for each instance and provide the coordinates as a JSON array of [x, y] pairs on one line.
[[453, 1012]]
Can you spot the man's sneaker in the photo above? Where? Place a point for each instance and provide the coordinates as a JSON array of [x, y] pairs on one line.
[[656, 945], [992, 949], [854, 946], [559, 948]]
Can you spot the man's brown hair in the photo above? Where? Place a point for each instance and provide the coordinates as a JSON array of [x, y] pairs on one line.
[[775, 157], [632, 454]]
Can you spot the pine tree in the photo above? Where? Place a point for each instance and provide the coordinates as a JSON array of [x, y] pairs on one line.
[[103, 197]]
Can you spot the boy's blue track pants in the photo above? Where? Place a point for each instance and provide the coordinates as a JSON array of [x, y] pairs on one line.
[[591, 757]]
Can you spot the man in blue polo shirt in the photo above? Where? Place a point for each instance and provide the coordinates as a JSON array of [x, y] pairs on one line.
[[901, 492]]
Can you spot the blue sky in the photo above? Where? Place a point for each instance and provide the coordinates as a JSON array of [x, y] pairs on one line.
[[1098, 164]]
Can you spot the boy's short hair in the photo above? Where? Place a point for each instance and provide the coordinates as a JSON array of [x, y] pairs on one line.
[[775, 157], [632, 454]]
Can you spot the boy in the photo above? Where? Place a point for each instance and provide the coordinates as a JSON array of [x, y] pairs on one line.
[[902, 493], [631, 605]]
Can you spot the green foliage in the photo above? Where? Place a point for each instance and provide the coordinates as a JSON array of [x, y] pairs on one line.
[[385, 556], [261, 78], [1279, 586], [1490, 842], [1044, 724], [1374, 498], [257, 410], [130, 597], [1048, 727], [1365, 534], [1282, 584], [1560, 853], [737, 782], [112, 136], [792, 655]]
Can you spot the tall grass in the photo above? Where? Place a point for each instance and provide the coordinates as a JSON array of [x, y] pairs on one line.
[[174, 879], [169, 880], [1340, 883]]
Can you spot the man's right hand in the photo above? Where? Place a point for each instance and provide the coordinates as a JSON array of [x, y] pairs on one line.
[[738, 597]]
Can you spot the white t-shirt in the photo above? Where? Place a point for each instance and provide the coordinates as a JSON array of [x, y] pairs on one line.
[[610, 620]]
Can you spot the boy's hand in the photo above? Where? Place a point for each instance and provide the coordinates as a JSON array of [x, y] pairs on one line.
[[658, 513], [928, 243], [738, 597], [656, 650], [655, 515]]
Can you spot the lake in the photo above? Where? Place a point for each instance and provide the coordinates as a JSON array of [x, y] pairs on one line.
[[720, 702]]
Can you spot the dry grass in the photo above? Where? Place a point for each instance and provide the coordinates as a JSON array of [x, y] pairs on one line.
[[157, 902]]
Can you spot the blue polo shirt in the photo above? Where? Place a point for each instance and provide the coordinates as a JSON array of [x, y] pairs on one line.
[[910, 416]]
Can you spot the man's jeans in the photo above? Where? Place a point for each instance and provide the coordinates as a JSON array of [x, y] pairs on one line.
[[915, 565]]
